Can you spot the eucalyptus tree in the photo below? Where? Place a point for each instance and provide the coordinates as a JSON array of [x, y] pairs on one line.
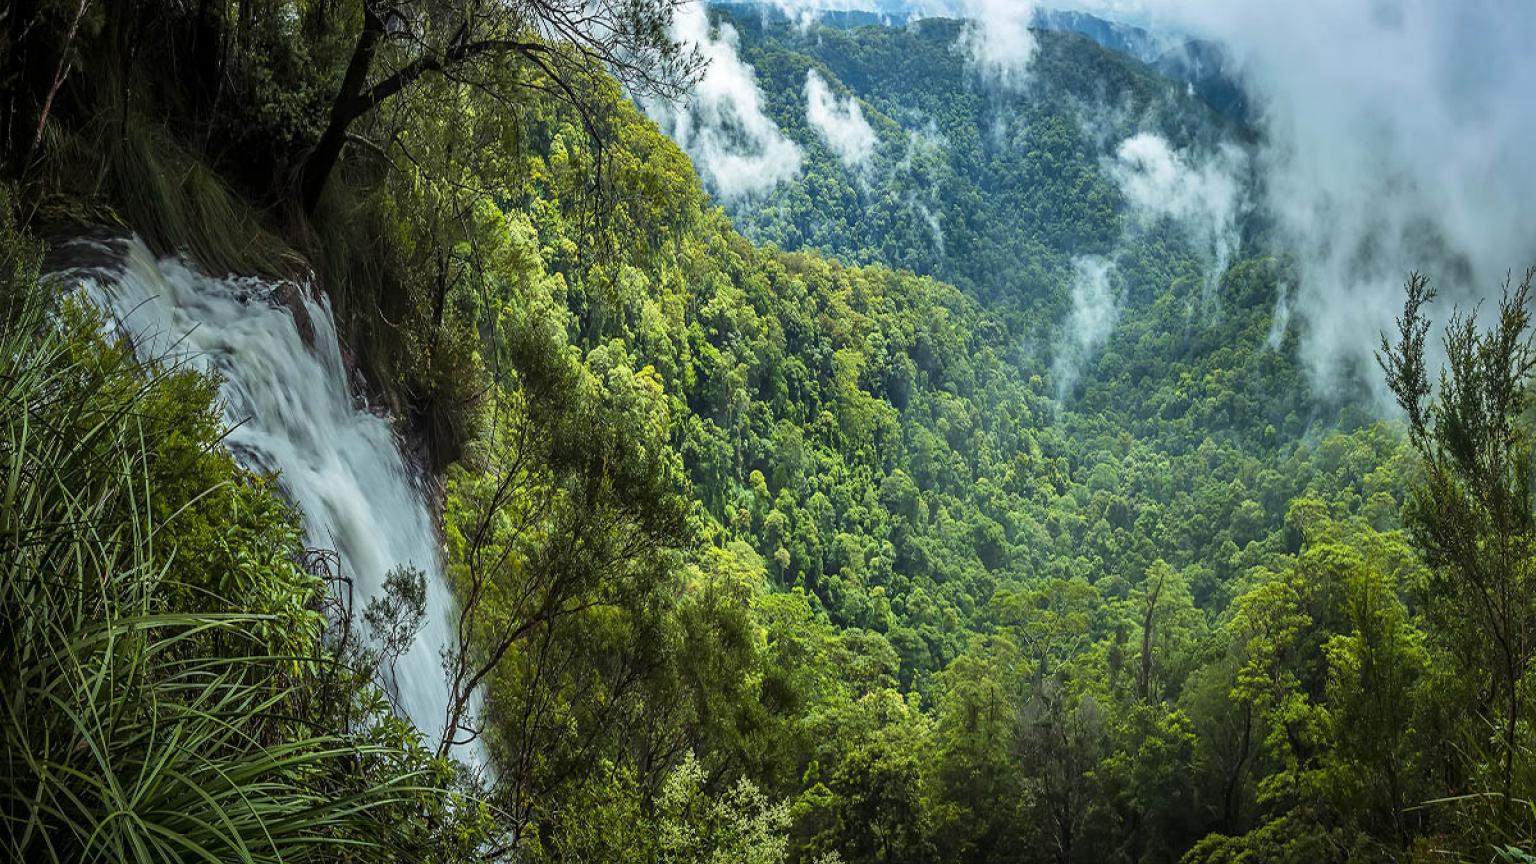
[[400, 42], [1472, 514]]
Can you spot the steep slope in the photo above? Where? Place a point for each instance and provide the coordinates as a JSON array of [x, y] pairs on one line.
[[1088, 319], [988, 186], [1029, 546]]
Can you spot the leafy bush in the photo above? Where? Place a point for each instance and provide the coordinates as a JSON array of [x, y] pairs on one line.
[[167, 692]]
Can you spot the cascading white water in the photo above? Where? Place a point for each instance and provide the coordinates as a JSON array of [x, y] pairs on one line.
[[286, 397]]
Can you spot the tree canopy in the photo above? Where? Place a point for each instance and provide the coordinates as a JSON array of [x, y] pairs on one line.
[[779, 531]]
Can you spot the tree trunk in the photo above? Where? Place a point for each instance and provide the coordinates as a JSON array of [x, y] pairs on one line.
[[348, 106], [53, 87], [1510, 728], [1235, 776], [1149, 621], [20, 82]]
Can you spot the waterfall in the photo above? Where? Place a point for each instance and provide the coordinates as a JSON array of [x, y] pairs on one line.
[[286, 398]]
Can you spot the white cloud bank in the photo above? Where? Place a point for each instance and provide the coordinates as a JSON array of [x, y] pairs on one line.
[[997, 40], [737, 149], [804, 13], [840, 123], [1094, 313], [1204, 197], [1398, 137]]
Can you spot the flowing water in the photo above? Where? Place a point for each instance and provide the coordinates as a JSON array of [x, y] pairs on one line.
[[286, 397]]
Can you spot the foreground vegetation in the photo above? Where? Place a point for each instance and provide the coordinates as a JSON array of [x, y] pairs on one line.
[[169, 689], [763, 557]]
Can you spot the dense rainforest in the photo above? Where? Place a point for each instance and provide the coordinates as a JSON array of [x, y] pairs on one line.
[[960, 497]]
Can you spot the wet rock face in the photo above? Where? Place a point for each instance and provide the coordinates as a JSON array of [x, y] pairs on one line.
[[291, 296], [97, 250]]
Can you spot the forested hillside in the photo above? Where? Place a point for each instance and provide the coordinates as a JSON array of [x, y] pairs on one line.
[[961, 497], [989, 187]]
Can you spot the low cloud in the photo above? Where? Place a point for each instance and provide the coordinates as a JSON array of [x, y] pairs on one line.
[[1279, 319], [738, 150], [804, 13], [997, 41], [1094, 313], [1203, 196], [840, 123], [1397, 136], [931, 219], [925, 151]]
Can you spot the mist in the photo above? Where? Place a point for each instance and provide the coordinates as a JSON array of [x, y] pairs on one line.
[[737, 149], [997, 40], [839, 122], [1201, 194], [1396, 137], [1093, 316]]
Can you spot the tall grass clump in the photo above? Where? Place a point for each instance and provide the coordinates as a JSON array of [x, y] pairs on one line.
[[146, 179], [155, 704]]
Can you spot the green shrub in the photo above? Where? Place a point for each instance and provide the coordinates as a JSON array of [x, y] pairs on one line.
[[166, 690]]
